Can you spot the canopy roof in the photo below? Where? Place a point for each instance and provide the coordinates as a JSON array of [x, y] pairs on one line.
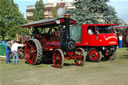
[[47, 23], [120, 26], [100, 24]]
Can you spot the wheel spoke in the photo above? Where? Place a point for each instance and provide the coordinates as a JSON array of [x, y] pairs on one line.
[[80, 54], [33, 50], [58, 58], [32, 47], [34, 55]]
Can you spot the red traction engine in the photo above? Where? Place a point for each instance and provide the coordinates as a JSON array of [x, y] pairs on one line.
[[55, 43]]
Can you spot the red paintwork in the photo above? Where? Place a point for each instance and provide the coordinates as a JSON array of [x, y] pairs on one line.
[[97, 39], [106, 53], [51, 45], [29, 59], [94, 55], [57, 59], [69, 55]]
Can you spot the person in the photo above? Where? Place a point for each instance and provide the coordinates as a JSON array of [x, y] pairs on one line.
[[14, 49], [90, 31], [8, 51], [120, 40]]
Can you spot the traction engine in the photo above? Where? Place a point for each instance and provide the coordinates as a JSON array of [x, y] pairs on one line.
[[55, 43]]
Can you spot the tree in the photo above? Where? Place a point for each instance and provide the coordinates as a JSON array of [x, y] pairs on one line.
[[54, 12], [10, 19], [93, 12], [4, 15], [39, 11]]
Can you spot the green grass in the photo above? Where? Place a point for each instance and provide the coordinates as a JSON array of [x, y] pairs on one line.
[[101, 73]]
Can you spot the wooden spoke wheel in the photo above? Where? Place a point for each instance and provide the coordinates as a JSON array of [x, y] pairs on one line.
[[93, 55], [80, 54], [58, 58], [33, 51], [21, 53]]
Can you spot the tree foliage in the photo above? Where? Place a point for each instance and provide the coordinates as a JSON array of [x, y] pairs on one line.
[[54, 12], [10, 19], [39, 11], [93, 12]]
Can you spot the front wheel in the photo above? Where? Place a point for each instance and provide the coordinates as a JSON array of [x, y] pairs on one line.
[[58, 58], [93, 55], [80, 54]]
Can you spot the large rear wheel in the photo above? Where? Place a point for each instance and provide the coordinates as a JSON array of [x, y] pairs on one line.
[[93, 55], [58, 58], [33, 51], [80, 54]]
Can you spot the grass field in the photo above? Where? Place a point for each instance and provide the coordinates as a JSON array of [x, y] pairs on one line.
[[101, 73]]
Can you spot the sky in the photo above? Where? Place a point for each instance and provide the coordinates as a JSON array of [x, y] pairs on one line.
[[121, 7]]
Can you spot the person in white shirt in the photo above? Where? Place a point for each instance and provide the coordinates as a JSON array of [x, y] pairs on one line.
[[14, 50], [120, 40], [90, 31]]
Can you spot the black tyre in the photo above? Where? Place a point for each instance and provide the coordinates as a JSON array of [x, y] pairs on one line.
[[93, 55], [68, 45], [112, 56]]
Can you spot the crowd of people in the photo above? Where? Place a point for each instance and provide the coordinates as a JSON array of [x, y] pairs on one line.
[[12, 47]]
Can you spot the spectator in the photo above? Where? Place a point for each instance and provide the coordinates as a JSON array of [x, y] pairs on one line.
[[8, 51], [120, 40], [14, 49]]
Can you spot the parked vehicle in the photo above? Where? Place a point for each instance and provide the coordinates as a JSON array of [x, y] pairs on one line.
[[125, 37], [103, 41], [65, 39], [123, 30], [56, 43]]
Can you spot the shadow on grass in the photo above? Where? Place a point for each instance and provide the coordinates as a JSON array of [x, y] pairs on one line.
[[47, 62], [124, 57], [91, 61], [69, 64], [65, 64]]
